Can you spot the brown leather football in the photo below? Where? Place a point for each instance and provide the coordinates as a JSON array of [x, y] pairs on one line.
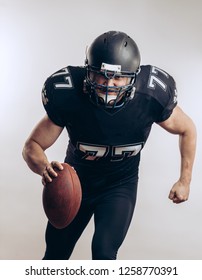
[[62, 197]]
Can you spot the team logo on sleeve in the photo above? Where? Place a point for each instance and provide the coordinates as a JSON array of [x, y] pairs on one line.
[[44, 96], [175, 96]]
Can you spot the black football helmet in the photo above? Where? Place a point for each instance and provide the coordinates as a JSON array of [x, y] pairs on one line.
[[112, 54]]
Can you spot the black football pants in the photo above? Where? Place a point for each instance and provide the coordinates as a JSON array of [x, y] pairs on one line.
[[112, 209]]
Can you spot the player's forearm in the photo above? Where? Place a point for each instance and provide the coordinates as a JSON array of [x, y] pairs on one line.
[[35, 157], [187, 143]]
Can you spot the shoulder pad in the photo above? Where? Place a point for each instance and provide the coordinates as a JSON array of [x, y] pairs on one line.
[[59, 88], [157, 83]]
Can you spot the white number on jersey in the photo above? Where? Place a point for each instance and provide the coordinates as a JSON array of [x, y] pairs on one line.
[[67, 79], [155, 80], [94, 152]]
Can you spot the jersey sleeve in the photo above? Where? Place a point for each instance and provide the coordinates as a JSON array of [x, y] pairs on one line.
[[168, 103], [159, 86], [52, 110]]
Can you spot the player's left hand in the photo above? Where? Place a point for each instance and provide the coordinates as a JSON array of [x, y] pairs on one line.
[[179, 192]]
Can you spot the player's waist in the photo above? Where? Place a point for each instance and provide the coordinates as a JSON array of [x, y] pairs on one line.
[[128, 166]]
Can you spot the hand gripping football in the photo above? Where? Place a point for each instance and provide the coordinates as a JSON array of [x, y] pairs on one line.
[[62, 197]]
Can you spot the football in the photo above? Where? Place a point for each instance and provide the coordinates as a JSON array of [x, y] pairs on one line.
[[62, 197]]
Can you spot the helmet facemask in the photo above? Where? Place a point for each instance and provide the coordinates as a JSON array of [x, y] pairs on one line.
[[101, 94]]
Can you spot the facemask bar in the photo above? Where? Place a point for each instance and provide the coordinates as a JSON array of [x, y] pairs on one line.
[[99, 92], [111, 101]]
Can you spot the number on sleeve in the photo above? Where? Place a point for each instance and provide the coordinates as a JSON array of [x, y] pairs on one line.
[[67, 79], [155, 80]]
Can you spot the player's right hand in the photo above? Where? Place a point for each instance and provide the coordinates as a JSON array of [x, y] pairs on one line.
[[50, 171]]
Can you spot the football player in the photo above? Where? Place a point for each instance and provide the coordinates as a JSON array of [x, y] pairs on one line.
[[108, 107]]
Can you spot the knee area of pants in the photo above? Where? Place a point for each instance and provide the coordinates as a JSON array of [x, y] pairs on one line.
[[55, 255], [103, 257], [104, 254]]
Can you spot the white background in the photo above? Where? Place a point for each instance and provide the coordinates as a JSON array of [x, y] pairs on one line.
[[39, 37]]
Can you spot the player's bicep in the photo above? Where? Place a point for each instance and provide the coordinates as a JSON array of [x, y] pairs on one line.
[[177, 123], [45, 133]]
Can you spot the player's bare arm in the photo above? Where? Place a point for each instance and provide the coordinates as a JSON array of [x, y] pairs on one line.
[[179, 123], [42, 137]]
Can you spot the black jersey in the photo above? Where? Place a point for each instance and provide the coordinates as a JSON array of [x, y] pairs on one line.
[[112, 138]]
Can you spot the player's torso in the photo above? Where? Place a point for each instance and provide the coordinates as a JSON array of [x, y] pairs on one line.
[[99, 134]]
